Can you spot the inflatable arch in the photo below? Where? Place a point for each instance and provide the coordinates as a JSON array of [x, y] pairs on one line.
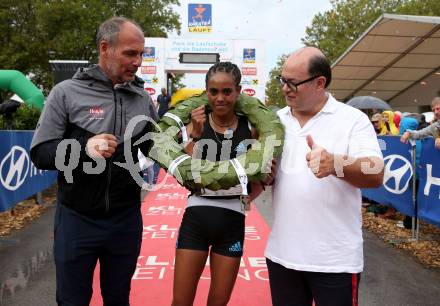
[[15, 81]]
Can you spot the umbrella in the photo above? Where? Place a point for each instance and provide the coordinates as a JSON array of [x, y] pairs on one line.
[[366, 102]]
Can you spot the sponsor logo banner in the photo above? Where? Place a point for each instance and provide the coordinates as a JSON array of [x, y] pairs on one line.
[[249, 91], [249, 82], [148, 69], [249, 70], [19, 178], [428, 194], [397, 188], [151, 91], [249, 55], [149, 54], [199, 18]]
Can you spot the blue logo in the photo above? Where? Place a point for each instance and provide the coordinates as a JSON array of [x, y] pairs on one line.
[[249, 55], [14, 168], [149, 54], [199, 18], [236, 247], [398, 173]]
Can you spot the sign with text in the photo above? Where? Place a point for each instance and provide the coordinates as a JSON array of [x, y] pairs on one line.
[[199, 18]]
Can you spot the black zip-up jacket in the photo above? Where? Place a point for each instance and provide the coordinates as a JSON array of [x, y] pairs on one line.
[[80, 108]]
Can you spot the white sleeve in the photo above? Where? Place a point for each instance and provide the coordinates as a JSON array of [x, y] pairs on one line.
[[363, 140]]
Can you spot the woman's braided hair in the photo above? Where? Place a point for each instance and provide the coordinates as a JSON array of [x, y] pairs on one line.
[[226, 67]]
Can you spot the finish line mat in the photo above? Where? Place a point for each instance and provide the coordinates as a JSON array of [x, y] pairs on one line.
[[152, 282]]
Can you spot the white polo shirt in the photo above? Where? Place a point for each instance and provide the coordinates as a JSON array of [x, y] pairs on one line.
[[317, 222]]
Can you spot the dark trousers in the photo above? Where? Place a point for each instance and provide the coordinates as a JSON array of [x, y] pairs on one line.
[[290, 287], [80, 241]]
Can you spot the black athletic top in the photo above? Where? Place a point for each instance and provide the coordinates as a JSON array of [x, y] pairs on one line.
[[213, 143]]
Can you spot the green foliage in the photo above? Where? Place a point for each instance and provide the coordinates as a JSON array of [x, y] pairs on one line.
[[273, 90], [35, 31], [337, 29], [25, 118], [176, 82]]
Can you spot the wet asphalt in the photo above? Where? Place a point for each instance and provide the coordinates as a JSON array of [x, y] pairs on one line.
[[390, 277]]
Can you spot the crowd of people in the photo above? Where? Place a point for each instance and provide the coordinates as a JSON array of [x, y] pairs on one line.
[[409, 126], [314, 251]]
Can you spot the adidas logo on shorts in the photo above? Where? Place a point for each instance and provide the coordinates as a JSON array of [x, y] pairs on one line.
[[236, 247]]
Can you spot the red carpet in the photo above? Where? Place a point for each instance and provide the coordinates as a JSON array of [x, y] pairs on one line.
[[153, 280]]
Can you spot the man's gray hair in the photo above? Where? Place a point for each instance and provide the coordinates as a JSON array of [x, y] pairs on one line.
[[109, 30], [435, 101]]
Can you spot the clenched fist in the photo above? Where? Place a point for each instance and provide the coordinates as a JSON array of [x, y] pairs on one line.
[[198, 119], [101, 146]]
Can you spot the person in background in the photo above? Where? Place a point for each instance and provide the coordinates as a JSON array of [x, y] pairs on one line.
[[376, 120], [388, 126], [375, 207], [396, 118], [315, 248], [98, 216], [163, 100], [388, 129], [432, 130], [408, 123], [423, 122]]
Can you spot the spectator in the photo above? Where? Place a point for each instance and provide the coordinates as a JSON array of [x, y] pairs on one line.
[[408, 123], [388, 126], [431, 130], [164, 102], [376, 120], [423, 122]]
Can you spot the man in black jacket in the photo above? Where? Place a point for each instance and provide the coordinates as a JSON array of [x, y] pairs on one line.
[[82, 133], [164, 102]]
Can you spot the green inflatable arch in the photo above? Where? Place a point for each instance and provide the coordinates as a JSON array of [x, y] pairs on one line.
[[16, 82]]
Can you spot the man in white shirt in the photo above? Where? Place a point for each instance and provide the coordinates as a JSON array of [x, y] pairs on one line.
[[314, 251]]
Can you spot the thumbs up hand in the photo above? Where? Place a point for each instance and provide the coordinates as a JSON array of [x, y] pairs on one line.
[[319, 160]]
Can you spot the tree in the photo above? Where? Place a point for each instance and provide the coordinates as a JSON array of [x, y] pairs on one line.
[[35, 31], [176, 82], [25, 118], [273, 90], [337, 29]]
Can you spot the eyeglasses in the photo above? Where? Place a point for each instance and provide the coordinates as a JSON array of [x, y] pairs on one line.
[[294, 86]]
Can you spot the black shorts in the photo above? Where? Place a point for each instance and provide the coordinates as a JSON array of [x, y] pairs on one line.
[[206, 226]]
